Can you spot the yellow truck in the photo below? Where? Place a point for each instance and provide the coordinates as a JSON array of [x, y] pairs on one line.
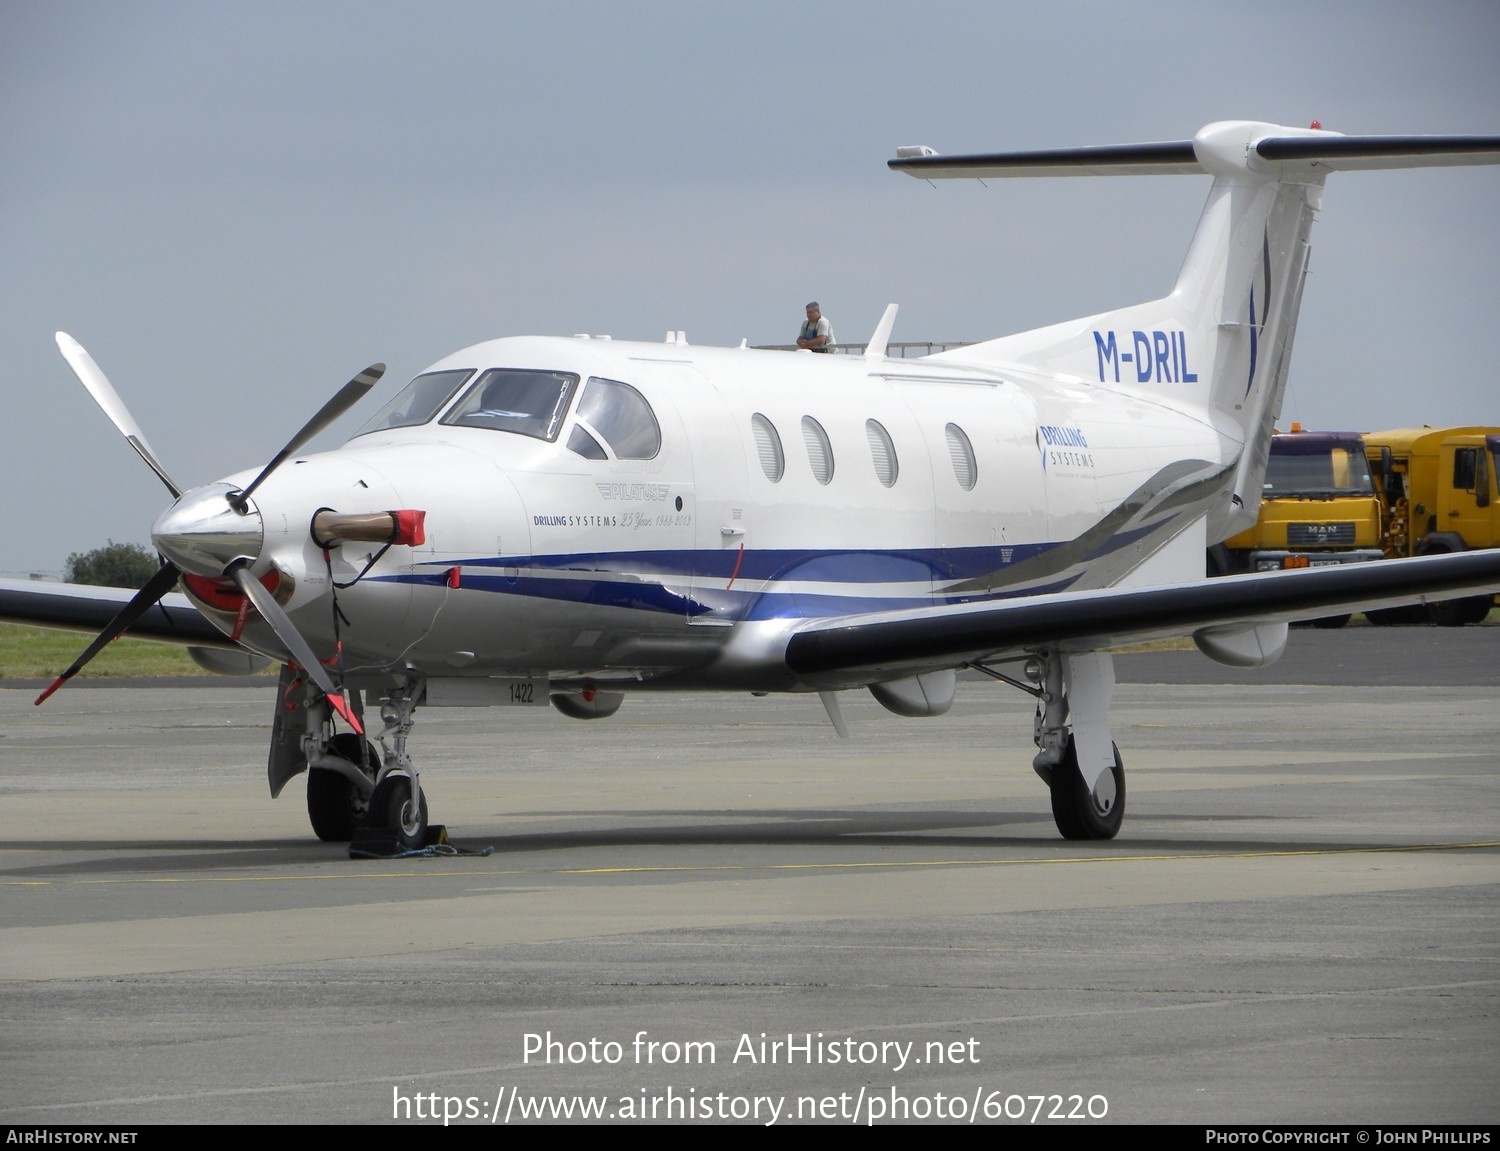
[[1318, 507], [1437, 490]]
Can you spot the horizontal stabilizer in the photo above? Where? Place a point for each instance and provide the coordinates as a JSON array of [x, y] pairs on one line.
[[1326, 150], [1165, 159], [1369, 153]]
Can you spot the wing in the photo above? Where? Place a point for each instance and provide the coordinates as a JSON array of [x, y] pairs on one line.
[[928, 638], [76, 607]]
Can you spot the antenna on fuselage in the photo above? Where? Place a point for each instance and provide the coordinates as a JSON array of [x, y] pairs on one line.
[[875, 349]]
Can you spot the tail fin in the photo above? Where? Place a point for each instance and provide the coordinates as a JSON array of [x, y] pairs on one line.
[[1220, 341]]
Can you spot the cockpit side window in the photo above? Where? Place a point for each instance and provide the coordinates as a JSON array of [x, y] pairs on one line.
[[620, 417], [418, 402], [585, 445], [531, 403]]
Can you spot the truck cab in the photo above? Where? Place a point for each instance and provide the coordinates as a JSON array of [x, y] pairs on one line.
[[1318, 507], [1437, 489]]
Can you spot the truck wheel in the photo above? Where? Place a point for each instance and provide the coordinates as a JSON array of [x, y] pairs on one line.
[[1330, 621], [1396, 616], [1457, 612]]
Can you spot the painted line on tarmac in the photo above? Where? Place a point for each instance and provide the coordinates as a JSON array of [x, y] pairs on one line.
[[719, 868]]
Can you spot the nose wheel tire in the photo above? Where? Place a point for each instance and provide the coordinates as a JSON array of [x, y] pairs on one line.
[[335, 806], [1078, 814], [391, 808]]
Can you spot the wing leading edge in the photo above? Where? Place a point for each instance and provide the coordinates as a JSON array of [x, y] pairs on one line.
[[1092, 620], [76, 607]]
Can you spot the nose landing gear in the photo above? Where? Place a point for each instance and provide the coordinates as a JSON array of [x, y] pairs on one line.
[[398, 806], [355, 789]]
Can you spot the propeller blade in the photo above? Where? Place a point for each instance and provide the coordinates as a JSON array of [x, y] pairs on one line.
[[104, 394], [159, 585], [292, 640], [349, 395]]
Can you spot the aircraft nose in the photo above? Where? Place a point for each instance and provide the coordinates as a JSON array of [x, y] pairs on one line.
[[202, 534]]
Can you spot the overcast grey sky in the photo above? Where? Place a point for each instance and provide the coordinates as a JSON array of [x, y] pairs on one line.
[[236, 206]]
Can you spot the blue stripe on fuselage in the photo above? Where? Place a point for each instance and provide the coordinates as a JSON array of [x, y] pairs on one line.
[[759, 604], [824, 583], [847, 567]]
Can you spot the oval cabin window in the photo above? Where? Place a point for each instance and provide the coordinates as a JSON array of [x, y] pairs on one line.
[[819, 450], [882, 452], [961, 452], [768, 447]]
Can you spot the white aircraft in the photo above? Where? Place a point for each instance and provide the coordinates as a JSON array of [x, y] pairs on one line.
[[576, 519]]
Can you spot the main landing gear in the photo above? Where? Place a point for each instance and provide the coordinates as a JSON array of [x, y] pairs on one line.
[[1076, 759], [352, 782]]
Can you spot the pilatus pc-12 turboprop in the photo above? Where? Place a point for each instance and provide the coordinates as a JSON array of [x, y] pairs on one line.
[[572, 520]]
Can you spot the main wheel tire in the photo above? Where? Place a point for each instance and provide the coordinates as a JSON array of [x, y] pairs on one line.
[[391, 808], [335, 805], [1073, 808]]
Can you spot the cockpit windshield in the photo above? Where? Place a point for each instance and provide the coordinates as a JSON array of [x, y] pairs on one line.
[[532, 403], [418, 402]]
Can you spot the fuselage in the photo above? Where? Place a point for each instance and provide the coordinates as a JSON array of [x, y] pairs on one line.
[[678, 525]]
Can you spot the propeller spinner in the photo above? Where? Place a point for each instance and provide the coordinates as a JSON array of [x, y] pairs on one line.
[[211, 531]]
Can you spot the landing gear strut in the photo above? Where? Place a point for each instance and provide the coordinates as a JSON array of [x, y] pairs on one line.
[[398, 804]]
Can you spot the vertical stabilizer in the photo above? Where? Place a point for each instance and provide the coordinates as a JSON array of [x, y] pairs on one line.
[[1219, 344], [1220, 338]]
